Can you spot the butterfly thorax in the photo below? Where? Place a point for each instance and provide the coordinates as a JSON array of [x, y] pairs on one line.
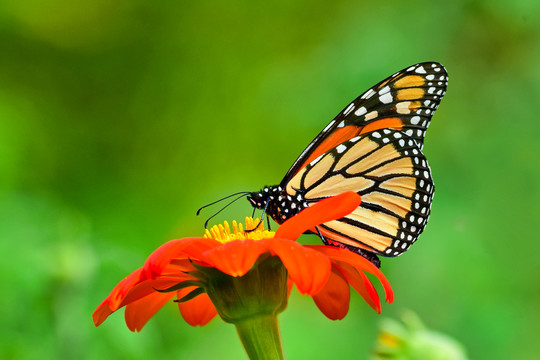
[[279, 205]]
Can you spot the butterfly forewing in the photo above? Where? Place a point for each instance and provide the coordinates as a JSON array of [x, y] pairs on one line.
[[387, 168], [404, 101]]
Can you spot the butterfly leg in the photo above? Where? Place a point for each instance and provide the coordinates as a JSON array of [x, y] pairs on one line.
[[261, 219], [321, 236], [268, 222]]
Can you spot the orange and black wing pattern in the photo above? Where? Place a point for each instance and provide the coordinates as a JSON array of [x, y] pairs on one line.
[[388, 170], [404, 101]]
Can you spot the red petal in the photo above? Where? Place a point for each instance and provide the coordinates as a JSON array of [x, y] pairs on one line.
[[308, 269], [371, 293], [139, 312], [195, 249], [182, 248], [237, 257], [179, 265], [148, 287], [358, 262], [333, 299], [360, 282], [198, 311], [102, 312], [323, 211], [115, 298]]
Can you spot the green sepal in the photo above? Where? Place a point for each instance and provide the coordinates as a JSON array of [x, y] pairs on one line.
[[193, 294], [261, 291], [181, 285]]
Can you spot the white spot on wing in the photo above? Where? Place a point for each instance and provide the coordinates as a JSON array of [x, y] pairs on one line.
[[403, 107], [384, 90], [329, 125], [341, 148], [316, 160], [371, 115], [348, 109], [386, 98], [368, 94], [361, 111]]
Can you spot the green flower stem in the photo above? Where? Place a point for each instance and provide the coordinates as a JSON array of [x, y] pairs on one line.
[[260, 337]]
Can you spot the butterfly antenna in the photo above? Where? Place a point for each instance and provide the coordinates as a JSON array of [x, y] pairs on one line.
[[223, 208], [226, 197]]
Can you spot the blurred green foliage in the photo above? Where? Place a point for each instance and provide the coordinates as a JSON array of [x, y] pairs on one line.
[[119, 119], [412, 340]]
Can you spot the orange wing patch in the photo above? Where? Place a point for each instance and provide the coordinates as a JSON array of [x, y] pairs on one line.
[[386, 123], [337, 137], [410, 81], [410, 94]]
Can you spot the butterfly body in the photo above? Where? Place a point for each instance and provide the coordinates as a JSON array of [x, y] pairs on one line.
[[373, 147]]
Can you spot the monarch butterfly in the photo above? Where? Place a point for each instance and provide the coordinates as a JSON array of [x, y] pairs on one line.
[[373, 147]]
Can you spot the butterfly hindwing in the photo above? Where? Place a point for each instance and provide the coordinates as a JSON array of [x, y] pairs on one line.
[[404, 101], [387, 168]]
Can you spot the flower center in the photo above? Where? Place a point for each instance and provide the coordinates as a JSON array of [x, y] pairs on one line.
[[223, 233]]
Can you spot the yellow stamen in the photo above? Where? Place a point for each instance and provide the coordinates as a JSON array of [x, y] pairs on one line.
[[223, 233]]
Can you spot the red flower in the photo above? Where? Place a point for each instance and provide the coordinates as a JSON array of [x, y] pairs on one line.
[[184, 269]]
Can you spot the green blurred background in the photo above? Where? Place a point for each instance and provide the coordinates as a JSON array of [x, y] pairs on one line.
[[119, 119]]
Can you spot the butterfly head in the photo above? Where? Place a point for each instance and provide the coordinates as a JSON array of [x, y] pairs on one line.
[[256, 200], [259, 199]]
